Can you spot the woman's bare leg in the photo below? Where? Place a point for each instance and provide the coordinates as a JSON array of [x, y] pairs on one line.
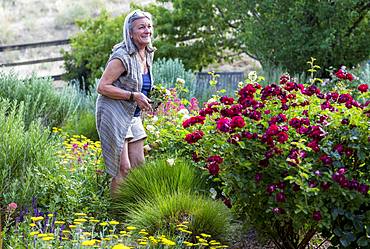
[[136, 153], [124, 168]]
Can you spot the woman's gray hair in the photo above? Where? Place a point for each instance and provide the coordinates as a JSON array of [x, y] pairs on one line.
[[127, 28]]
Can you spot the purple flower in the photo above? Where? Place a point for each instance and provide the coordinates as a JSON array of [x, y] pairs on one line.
[[258, 177], [277, 210], [316, 215], [280, 197], [270, 188], [363, 188]]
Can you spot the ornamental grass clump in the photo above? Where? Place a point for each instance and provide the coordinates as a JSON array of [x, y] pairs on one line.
[[156, 178], [293, 160], [163, 213]]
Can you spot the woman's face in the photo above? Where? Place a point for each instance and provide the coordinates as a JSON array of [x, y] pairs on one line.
[[142, 30]]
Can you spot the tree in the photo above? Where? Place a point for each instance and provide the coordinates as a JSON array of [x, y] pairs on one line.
[[276, 32]]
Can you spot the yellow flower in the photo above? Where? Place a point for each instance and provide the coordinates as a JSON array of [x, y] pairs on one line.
[[72, 226], [143, 243], [181, 226], [58, 222], [32, 225], [120, 246], [167, 242], [88, 242], [113, 222], [50, 215], [204, 235], [86, 233], [185, 231], [80, 220], [80, 214], [36, 219], [214, 243], [187, 243], [34, 233], [47, 238], [103, 223], [94, 221], [130, 228], [41, 235]]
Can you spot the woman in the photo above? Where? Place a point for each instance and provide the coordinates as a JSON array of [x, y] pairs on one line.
[[123, 90]]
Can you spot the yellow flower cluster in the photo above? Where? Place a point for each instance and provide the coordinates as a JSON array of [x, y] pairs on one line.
[[78, 151], [85, 231]]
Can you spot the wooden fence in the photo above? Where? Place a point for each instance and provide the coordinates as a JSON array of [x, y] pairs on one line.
[[34, 45], [226, 80]]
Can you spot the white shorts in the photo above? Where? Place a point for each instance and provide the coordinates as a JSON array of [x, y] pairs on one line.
[[136, 130]]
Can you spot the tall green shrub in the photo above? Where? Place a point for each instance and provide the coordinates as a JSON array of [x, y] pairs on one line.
[[40, 98], [22, 151], [167, 71], [279, 32], [91, 47]]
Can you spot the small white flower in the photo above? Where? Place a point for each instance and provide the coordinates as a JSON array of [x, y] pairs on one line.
[[213, 193], [150, 128], [180, 81], [211, 100], [252, 76], [185, 117], [171, 161], [183, 112], [147, 148], [155, 119]]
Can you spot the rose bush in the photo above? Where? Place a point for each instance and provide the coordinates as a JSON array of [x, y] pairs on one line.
[[292, 160]]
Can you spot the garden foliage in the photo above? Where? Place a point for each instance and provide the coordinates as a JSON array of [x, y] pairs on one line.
[[293, 160], [91, 47], [334, 32], [40, 99], [23, 152]]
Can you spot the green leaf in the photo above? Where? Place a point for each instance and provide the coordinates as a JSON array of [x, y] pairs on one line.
[[363, 241], [347, 239]]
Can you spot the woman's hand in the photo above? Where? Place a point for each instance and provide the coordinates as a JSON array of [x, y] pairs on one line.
[[143, 101]]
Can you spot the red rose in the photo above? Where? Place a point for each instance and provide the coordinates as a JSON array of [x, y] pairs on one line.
[[194, 137], [237, 121], [213, 168], [223, 124], [363, 88], [282, 137]]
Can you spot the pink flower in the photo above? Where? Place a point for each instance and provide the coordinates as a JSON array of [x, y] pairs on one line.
[[12, 206], [363, 88]]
